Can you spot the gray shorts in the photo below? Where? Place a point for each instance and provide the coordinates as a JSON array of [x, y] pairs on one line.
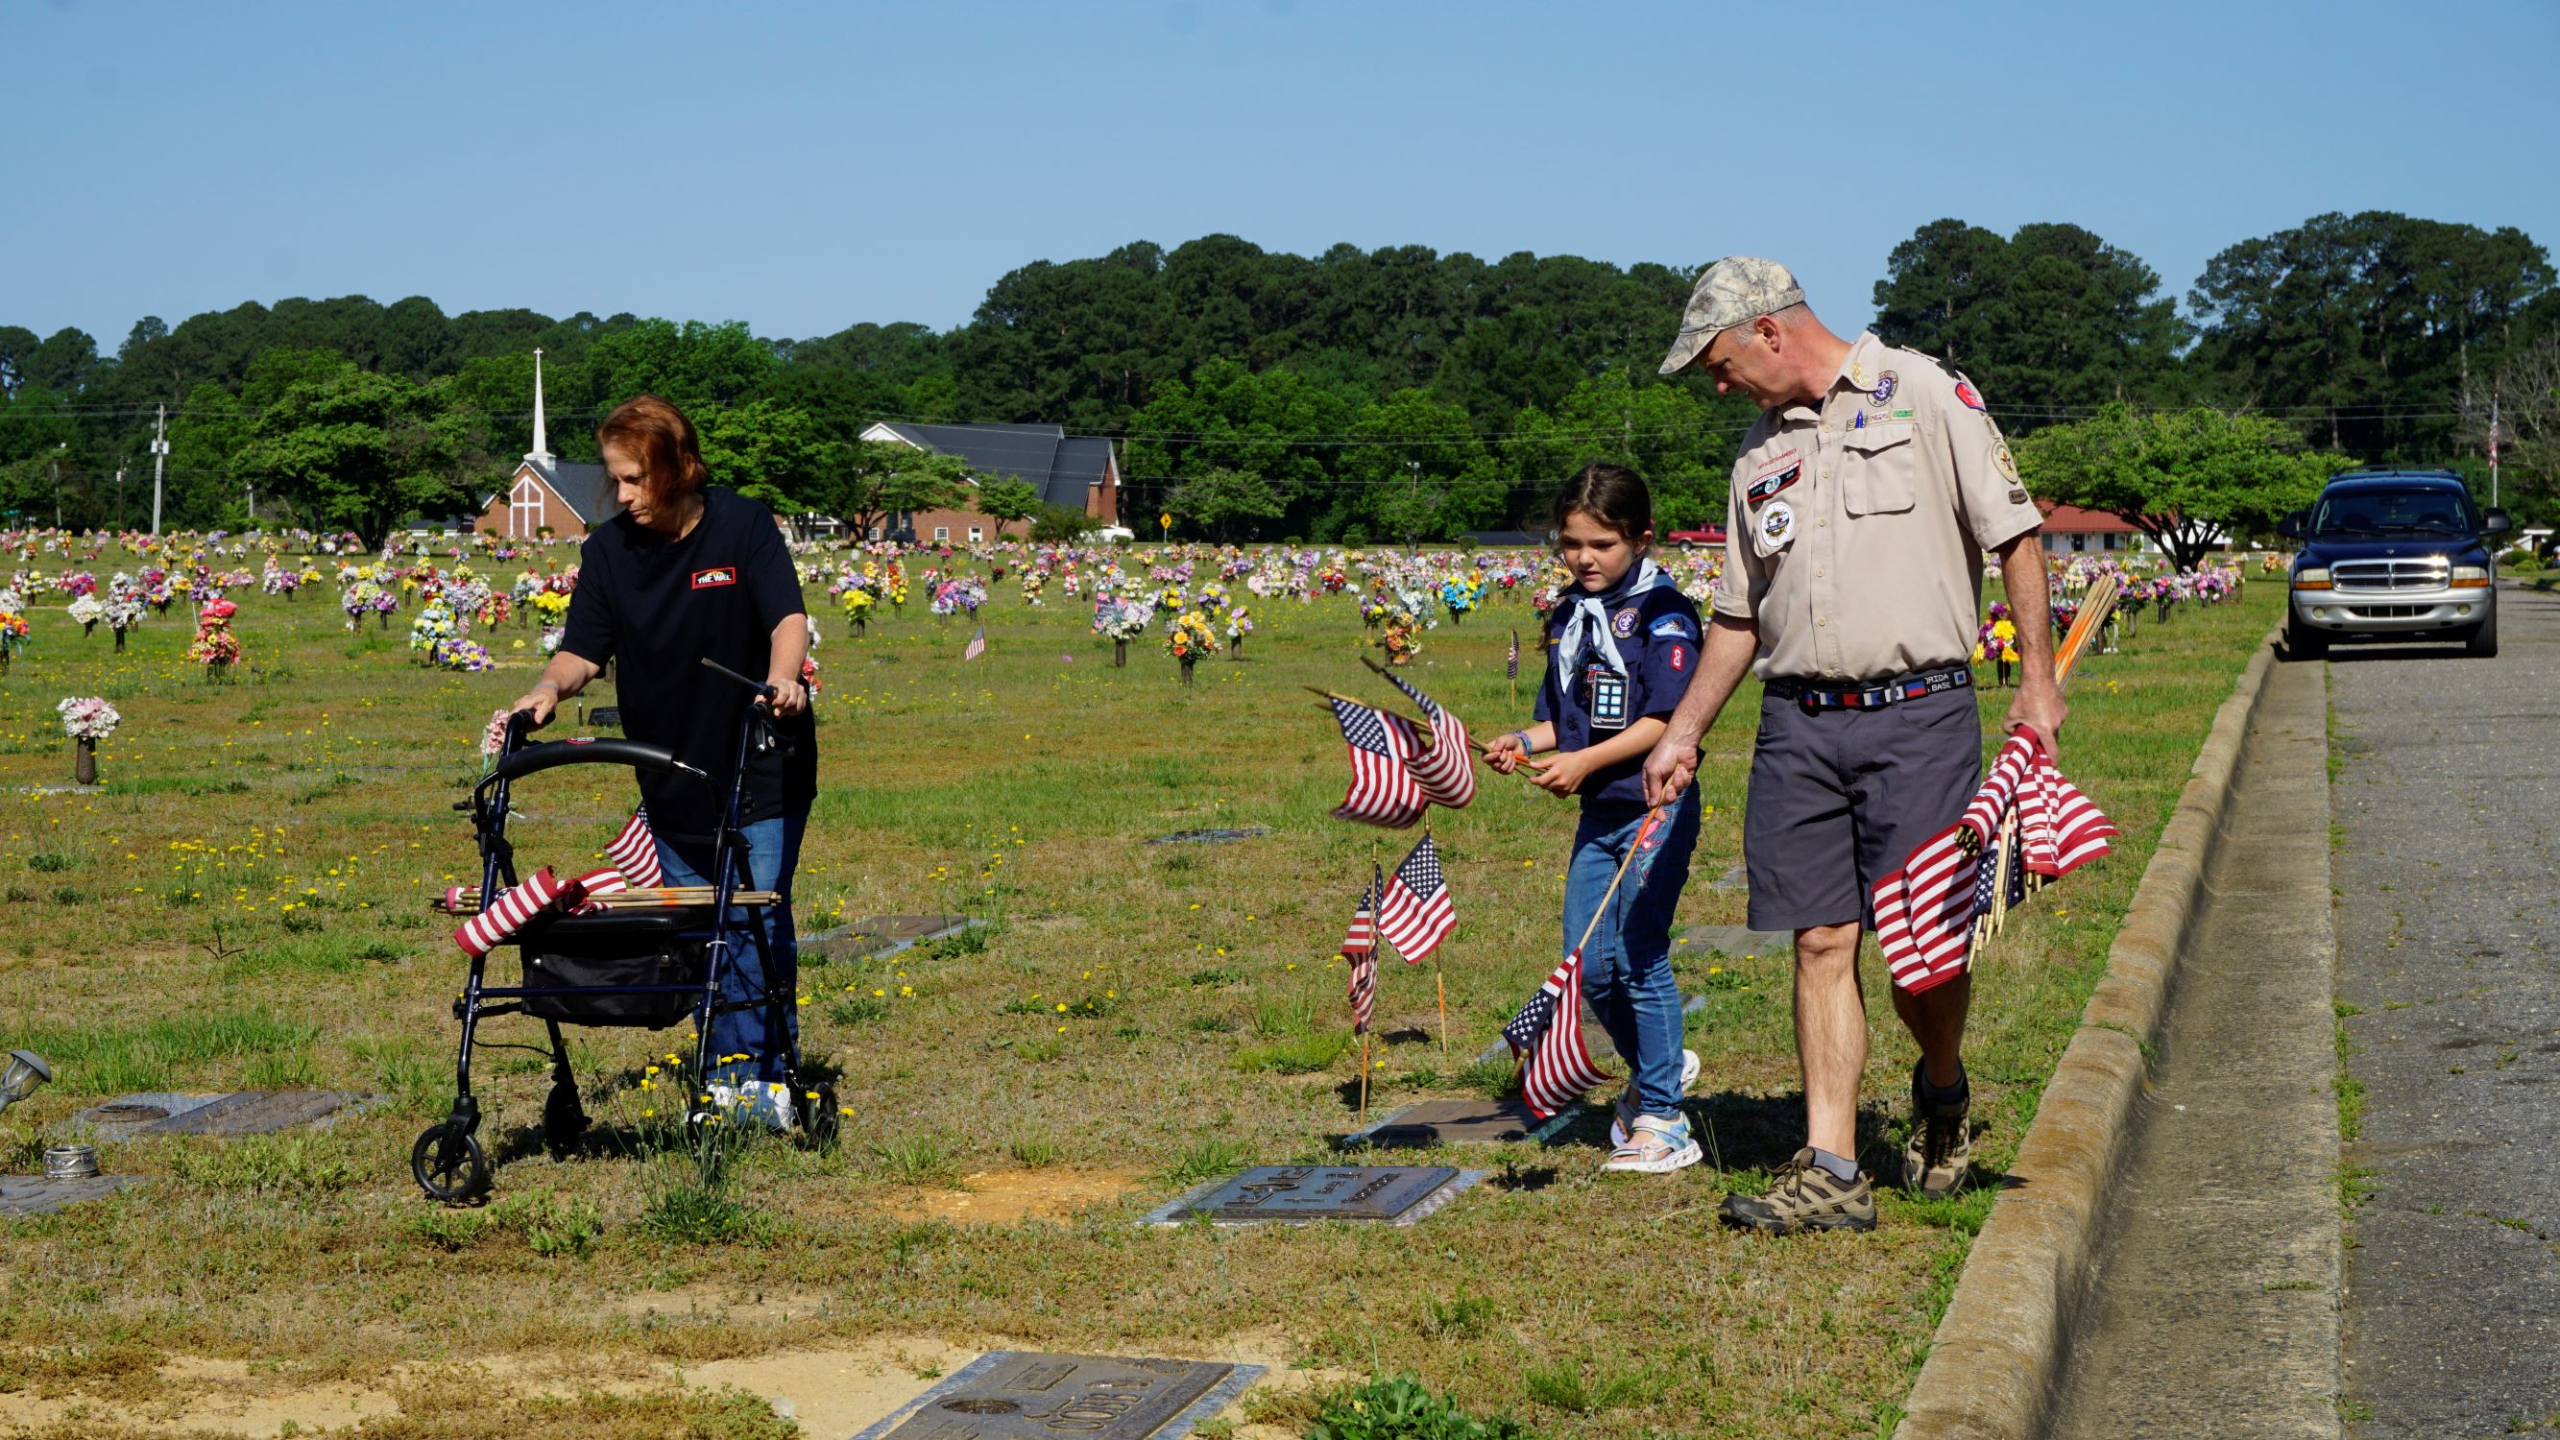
[[1840, 798]]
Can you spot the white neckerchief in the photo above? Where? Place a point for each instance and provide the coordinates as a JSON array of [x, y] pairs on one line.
[[1589, 624]]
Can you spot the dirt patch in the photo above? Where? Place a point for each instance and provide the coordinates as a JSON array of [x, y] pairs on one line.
[[220, 1397], [720, 1302], [1009, 1197]]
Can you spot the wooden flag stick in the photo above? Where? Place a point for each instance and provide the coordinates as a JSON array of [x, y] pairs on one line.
[[1364, 1079], [2095, 605], [1612, 891], [1440, 982]]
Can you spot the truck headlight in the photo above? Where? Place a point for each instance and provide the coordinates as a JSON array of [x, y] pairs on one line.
[[2314, 578], [2470, 577]]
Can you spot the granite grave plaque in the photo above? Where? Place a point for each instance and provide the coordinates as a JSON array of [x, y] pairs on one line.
[[1016, 1394], [37, 1195], [1461, 1122], [1321, 1192]]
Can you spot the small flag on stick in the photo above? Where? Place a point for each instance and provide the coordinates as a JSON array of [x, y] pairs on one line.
[[1446, 771], [1383, 791], [977, 645], [1546, 1036], [1414, 912], [634, 852], [1360, 947]]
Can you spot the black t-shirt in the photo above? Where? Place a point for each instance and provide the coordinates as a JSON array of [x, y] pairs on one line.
[[661, 606]]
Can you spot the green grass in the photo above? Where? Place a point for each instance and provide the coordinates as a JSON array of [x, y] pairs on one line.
[[1205, 1030]]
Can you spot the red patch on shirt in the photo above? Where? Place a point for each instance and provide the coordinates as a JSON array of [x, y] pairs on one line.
[[1966, 393], [717, 575], [1679, 657]]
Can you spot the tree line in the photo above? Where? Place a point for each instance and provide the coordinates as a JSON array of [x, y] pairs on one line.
[[1353, 395]]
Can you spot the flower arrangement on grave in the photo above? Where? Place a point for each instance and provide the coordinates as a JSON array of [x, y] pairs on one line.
[[857, 608], [1239, 625], [551, 638], [1374, 609], [431, 628], [1462, 593], [215, 647], [1400, 635], [123, 610], [954, 596], [87, 719], [1212, 601], [893, 583], [88, 610], [1121, 621], [1188, 638], [13, 630], [357, 600], [80, 586], [280, 579], [1169, 598], [1998, 641], [465, 655], [1332, 580], [1033, 581], [550, 607], [156, 592]]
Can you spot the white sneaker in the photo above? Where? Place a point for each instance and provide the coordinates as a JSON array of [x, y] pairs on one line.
[[1657, 1147], [1618, 1124]]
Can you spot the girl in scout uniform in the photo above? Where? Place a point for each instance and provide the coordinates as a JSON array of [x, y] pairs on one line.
[[1621, 645]]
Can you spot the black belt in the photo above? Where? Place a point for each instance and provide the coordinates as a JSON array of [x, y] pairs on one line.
[[1918, 683]]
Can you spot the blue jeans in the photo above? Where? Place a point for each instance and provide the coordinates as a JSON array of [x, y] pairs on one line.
[[1626, 969], [772, 856]]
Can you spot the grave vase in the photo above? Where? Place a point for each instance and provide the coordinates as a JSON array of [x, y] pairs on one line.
[[119, 639], [1188, 661], [1119, 654], [84, 763], [88, 626], [2165, 602]]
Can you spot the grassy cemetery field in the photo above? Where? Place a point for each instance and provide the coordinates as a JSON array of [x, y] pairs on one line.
[[243, 906]]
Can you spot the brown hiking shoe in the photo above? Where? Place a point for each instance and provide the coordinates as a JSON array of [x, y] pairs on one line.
[[1804, 1197], [1939, 1154]]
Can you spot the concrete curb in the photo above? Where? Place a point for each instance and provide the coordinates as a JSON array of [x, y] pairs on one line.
[[1997, 1358]]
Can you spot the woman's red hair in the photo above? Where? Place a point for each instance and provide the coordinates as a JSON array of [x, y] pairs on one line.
[[658, 434]]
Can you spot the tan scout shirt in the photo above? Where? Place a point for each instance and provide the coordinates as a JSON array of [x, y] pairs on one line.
[[1857, 525]]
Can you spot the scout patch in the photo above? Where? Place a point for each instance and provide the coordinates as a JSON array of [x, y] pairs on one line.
[[1608, 698], [1767, 486], [717, 575], [1624, 622], [1858, 373], [1886, 384], [1966, 393], [1672, 627], [1679, 657], [1903, 412], [2003, 460], [1778, 524], [2017, 495]]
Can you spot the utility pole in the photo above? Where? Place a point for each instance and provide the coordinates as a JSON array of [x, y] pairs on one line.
[[2493, 449], [120, 495], [159, 455], [57, 482]]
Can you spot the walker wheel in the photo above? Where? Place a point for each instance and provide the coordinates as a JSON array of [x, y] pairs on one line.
[[448, 1163]]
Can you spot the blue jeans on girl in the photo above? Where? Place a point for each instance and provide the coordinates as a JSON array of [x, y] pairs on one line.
[[773, 854], [1626, 969]]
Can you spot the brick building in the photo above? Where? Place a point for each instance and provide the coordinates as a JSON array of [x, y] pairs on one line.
[[1075, 472]]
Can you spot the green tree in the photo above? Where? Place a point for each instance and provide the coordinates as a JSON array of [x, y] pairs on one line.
[[1679, 437], [352, 449], [1219, 500], [871, 481], [2178, 476], [1004, 501], [1227, 418], [1415, 471], [771, 453]]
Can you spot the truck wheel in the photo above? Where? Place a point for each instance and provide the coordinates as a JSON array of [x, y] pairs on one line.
[[2482, 642], [2301, 642]]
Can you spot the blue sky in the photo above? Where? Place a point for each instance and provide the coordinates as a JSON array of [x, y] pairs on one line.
[[806, 166]]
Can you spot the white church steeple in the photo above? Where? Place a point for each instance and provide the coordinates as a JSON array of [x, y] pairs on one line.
[[540, 454]]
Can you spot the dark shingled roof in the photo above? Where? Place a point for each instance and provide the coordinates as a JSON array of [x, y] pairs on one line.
[[589, 491], [1059, 466]]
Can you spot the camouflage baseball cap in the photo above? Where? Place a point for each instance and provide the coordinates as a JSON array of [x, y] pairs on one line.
[[1733, 291]]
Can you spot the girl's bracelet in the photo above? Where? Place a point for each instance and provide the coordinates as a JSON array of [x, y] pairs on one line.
[[1523, 737]]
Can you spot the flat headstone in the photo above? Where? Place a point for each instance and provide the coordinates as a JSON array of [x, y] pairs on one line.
[[1737, 878], [122, 1117], [1460, 1122], [880, 935], [1018, 1394], [1740, 941], [1381, 1194], [253, 1112], [1208, 837], [36, 1195]]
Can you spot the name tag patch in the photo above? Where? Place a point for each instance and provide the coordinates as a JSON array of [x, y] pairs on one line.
[[1608, 698], [717, 575]]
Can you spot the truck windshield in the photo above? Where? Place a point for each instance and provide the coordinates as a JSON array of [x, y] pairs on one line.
[[2377, 512]]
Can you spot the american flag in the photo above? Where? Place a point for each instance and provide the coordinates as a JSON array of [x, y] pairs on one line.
[[634, 852], [1925, 911], [1511, 661], [977, 645], [1446, 772], [1414, 913], [509, 913], [1546, 1037], [1360, 947], [1382, 790]]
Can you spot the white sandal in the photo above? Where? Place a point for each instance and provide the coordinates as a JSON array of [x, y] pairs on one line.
[[1657, 1147], [1627, 1111]]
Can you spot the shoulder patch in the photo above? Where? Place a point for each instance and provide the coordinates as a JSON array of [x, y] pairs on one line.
[[1966, 393], [1673, 627]]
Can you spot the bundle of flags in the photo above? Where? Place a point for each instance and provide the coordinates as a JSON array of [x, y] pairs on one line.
[[2026, 826], [1396, 772], [634, 853], [1556, 1068], [1409, 909]]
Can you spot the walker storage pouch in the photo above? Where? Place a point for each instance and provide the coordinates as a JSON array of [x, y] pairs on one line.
[[578, 958]]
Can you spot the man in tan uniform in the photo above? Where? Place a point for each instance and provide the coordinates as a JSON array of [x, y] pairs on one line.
[[1864, 499]]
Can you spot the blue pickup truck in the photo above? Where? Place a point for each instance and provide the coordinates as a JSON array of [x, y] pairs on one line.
[[2393, 555]]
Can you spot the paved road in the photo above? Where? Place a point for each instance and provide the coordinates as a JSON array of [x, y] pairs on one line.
[[2448, 810], [2215, 1309]]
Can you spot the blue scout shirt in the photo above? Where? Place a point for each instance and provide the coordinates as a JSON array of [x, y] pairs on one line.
[[1658, 637]]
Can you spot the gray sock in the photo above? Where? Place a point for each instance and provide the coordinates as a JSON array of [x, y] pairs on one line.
[[1844, 1171]]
